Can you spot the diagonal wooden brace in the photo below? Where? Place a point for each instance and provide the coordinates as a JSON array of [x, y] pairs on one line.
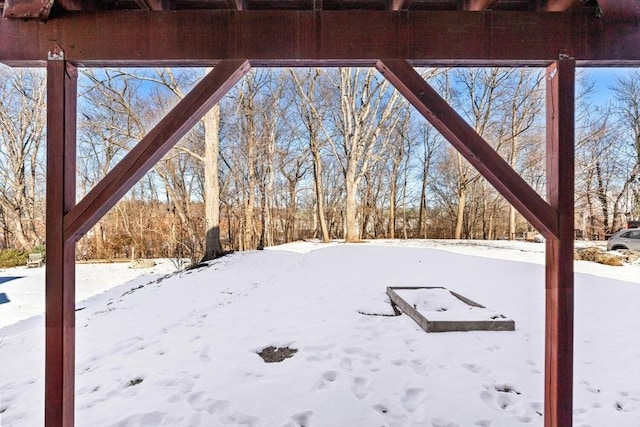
[[471, 145], [153, 147]]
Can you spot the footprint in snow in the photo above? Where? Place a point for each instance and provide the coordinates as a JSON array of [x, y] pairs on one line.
[[507, 399], [147, 419], [360, 388], [204, 354], [439, 422], [393, 415], [411, 398], [345, 363], [326, 380], [200, 403], [239, 419], [302, 419]]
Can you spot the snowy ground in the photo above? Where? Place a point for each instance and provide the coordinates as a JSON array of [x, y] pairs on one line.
[[182, 350]]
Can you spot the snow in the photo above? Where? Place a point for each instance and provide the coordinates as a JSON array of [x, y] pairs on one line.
[[181, 350], [438, 304]]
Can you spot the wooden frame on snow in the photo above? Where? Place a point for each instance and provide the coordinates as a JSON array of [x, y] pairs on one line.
[[437, 309]]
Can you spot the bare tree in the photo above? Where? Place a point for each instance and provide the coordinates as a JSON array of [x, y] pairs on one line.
[[431, 142], [311, 94], [626, 91], [521, 114], [398, 149], [367, 113], [22, 124]]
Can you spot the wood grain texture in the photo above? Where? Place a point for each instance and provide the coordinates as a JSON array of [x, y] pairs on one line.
[[347, 37], [60, 267], [560, 102]]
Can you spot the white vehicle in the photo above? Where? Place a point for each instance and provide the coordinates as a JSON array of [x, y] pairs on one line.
[[627, 238]]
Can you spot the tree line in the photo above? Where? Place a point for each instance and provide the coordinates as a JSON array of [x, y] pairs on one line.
[[305, 153]]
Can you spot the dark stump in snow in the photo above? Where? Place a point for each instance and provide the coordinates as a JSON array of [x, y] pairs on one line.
[[277, 354]]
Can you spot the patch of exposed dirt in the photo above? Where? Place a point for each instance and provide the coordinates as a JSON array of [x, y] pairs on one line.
[[276, 354]]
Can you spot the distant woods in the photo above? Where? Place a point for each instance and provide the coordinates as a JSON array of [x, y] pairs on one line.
[[311, 153]]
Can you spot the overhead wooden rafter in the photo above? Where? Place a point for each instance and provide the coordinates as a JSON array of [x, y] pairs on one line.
[[45, 9], [297, 38]]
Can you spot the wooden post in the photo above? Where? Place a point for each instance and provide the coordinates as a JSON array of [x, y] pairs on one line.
[[60, 262], [560, 102]]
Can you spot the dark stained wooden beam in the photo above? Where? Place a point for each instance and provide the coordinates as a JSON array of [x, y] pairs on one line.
[[153, 4], [236, 4], [558, 5], [620, 10], [60, 267], [560, 102], [399, 4], [153, 147], [77, 5], [298, 38], [27, 9], [471, 145], [477, 5]]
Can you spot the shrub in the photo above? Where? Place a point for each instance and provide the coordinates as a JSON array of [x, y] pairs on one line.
[[12, 258], [596, 255]]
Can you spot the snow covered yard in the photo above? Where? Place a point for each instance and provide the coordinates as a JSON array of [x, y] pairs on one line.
[[182, 350]]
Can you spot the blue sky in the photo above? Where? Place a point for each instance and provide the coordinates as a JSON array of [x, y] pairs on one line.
[[603, 78]]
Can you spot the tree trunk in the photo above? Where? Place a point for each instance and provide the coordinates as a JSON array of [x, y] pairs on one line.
[[391, 232], [248, 235], [98, 237], [512, 223], [602, 197], [462, 199], [351, 207], [213, 247], [317, 181]]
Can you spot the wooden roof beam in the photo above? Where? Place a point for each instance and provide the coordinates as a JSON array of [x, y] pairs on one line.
[[27, 9], [329, 38], [77, 5], [620, 10], [399, 4], [236, 4], [153, 4], [558, 5], [477, 5]]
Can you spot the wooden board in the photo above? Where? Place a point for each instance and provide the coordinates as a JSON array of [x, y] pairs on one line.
[[432, 325]]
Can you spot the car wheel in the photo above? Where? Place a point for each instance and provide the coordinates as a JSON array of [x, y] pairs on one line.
[[618, 247]]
